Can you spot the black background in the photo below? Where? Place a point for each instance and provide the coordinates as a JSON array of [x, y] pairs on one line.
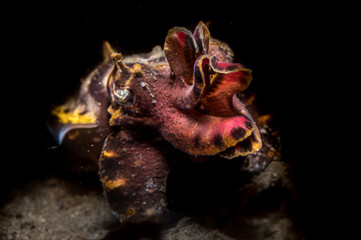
[[51, 47]]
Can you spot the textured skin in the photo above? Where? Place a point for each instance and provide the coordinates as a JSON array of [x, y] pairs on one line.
[[121, 167], [145, 107]]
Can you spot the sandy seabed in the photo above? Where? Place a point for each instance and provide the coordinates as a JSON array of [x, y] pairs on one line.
[[56, 208]]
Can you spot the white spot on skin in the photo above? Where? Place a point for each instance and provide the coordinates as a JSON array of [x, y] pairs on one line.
[[145, 85], [150, 183]]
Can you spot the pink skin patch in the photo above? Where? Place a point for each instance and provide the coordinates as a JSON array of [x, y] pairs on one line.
[[182, 37]]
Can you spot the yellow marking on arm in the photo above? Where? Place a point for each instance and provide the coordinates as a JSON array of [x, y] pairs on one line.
[[130, 212], [271, 154], [111, 184], [116, 116], [111, 109], [110, 154], [73, 117]]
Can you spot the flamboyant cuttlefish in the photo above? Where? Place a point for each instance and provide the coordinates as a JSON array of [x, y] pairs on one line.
[[131, 112]]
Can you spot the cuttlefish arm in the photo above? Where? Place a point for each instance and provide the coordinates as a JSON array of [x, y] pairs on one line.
[[133, 169]]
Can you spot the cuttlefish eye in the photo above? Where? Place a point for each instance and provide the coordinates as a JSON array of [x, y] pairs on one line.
[[124, 96]]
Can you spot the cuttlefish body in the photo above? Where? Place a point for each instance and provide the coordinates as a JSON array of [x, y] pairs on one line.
[[132, 111]]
